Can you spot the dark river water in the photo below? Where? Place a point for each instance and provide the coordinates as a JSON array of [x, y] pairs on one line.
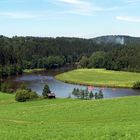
[[37, 81]]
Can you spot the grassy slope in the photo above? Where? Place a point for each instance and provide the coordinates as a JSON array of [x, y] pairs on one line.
[[69, 119], [100, 77]]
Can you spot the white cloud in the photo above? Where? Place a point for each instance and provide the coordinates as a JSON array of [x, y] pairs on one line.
[[129, 19], [78, 6], [38, 15], [82, 7]]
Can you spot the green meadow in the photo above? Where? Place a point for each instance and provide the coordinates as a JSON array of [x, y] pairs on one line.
[[70, 119], [100, 77]]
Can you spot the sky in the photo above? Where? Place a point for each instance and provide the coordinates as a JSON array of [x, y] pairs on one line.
[[69, 18]]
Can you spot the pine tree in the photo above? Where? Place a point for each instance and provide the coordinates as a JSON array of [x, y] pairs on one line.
[[46, 90]]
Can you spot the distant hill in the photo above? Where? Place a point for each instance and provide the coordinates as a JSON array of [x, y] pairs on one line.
[[116, 39], [108, 39]]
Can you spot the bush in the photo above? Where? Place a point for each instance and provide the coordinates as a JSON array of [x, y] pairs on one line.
[[23, 95], [136, 85]]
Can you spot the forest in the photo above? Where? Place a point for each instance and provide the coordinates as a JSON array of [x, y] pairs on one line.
[[18, 53]]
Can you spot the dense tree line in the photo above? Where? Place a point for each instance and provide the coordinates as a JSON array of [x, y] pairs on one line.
[[125, 58], [34, 52], [10, 70], [18, 53]]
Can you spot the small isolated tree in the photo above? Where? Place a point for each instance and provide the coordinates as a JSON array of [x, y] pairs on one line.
[[91, 95], [78, 93], [86, 94], [46, 90], [82, 94], [136, 85], [100, 95], [96, 95], [74, 92]]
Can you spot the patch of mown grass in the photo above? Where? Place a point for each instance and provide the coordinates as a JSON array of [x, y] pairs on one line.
[[100, 77]]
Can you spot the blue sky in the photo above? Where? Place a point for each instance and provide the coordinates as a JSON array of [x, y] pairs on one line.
[[73, 18]]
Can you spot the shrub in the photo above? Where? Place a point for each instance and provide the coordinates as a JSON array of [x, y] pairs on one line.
[[23, 95], [136, 85]]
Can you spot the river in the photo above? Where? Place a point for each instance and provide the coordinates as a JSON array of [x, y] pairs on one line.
[[36, 82]]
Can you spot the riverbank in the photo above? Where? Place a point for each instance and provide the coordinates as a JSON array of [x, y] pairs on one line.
[[33, 70], [100, 78], [56, 71], [70, 119]]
